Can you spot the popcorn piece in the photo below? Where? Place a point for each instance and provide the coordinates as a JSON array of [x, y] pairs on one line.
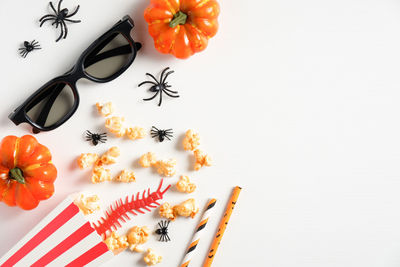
[[186, 208], [137, 236], [126, 177], [151, 258], [138, 248], [105, 109], [88, 204], [86, 160], [109, 157], [166, 211], [184, 185], [166, 168], [135, 133], [116, 126], [148, 160], [116, 243], [191, 140], [100, 175], [202, 159]]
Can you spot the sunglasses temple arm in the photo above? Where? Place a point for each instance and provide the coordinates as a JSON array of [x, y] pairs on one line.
[[100, 46], [122, 50]]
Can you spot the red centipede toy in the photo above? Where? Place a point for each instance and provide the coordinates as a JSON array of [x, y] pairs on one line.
[[120, 209]]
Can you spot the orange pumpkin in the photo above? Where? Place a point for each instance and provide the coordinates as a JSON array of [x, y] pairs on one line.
[[26, 172], [182, 27]]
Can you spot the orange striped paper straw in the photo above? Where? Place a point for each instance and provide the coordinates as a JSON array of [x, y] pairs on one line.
[[222, 226]]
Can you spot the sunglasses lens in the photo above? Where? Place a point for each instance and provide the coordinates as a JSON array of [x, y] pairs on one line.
[[109, 57], [52, 105]]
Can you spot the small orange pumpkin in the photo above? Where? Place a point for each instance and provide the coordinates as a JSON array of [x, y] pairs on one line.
[[182, 27], [26, 172]]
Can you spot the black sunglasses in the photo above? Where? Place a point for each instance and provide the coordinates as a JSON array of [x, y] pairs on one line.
[[56, 101]]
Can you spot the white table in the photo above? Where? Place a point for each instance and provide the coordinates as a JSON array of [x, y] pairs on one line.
[[297, 102]]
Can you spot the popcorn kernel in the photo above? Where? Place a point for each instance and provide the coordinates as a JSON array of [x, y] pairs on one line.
[[184, 185], [106, 109], [191, 140], [86, 160]]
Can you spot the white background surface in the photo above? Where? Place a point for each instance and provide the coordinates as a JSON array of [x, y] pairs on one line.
[[297, 102]]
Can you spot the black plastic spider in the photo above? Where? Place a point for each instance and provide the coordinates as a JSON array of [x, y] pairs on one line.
[[29, 47], [161, 86], [61, 15], [163, 231], [96, 138], [161, 134]]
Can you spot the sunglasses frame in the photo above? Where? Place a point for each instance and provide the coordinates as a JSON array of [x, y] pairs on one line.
[[70, 78]]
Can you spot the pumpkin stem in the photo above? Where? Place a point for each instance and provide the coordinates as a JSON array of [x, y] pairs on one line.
[[17, 175], [179, 18]]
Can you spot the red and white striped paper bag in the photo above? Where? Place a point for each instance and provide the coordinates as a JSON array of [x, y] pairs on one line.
[[62, 238]]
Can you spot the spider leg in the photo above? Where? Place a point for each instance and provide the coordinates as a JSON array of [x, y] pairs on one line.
[[166, 75], [155, 128], [21, 48], [24, 54], [168, 238], [162, 73], [65, 29], [172, 92], [159, 103], [73, 13], [147, 99], [36, 44], [167, 137], [169, 94], [73, 21], [52, 7], [152, 77], [140, 84], [168, 223], [43, 21], [46, 17], [61, 33], [59, 6]]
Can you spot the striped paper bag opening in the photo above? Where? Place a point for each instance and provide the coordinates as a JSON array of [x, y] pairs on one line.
[[62, 238]]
